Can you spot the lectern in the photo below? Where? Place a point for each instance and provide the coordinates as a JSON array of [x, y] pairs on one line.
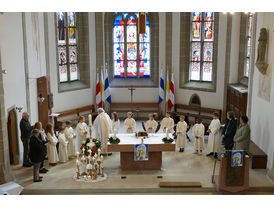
[[233, 172]]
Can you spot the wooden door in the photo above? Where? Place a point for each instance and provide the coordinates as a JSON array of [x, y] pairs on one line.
[[13, 138]]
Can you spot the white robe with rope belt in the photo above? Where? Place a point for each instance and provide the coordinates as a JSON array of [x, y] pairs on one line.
[[198, 130], [214, 136], [69, 133], [181, 134], [102, 126], [130, 125], [151, 124]]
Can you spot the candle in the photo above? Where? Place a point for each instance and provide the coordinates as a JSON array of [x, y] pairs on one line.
[[90, 126], [77, 155], [85, 176], [89, 177]]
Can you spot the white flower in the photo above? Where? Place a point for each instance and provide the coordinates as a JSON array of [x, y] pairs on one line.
[[83, 142], [114, 138], [90, 145], [89, 151]]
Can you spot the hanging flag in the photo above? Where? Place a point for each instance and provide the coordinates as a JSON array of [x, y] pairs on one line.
[[102, 87], [167, 87], [107, 94], [99, 102], [171, 93], [161, 87]]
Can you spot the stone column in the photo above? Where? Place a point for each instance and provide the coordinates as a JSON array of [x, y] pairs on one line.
[[5, 170]]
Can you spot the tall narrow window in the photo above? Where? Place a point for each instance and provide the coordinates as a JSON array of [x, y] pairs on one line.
[[248, 44], [131, 52], [202, 43], [67, 47]]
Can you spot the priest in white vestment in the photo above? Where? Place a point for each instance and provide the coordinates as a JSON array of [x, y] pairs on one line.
[[198, 132], [102, 126], [130, 123], [167, 123], [214, 135], [151, 124], [181, 134]]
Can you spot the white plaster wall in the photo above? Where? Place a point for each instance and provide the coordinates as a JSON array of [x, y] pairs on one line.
[[234, 51], [71, 99], [262, 111], [208, 99]]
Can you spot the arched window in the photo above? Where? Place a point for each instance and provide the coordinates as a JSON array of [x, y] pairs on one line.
[[249, 36], [67, 46], [202, 47], [131, 52]]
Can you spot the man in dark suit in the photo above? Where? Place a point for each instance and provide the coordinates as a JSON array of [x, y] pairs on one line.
[[26, 130], [229, 131], [37, 154]]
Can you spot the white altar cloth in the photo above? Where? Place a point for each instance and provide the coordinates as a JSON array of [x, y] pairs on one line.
[[153, 138]]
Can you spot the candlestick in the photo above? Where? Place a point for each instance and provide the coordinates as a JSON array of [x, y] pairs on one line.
[[90, 126], [77, 155]]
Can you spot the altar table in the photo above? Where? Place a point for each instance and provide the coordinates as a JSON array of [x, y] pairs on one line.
[[155, 149]]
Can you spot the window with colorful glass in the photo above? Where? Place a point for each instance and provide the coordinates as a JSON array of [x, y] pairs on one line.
[[248, 44], [131, 52], [67, 46], [202, 44]]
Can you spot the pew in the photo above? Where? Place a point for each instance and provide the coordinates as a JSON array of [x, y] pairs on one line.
[[258, 156], [196, 112], [73, 115], [136, 108]]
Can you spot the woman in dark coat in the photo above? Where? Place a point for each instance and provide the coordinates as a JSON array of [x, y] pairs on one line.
[[37, 154], [229, 131]]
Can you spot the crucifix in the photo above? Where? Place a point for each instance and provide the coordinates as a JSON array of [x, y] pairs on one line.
[[131, 93]]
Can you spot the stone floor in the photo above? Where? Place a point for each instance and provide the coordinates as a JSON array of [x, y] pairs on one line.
[[176, 167]]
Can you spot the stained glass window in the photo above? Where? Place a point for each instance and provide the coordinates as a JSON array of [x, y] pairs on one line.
[[131, 51], [202, 43], [248, 44], [67, 47]]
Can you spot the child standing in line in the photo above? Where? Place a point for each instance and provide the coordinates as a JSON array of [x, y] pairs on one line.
[[181, 134], [198, 132]]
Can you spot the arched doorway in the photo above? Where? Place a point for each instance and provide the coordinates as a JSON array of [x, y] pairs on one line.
[[13, 137]]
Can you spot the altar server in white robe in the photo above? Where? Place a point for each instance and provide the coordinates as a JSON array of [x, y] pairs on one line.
[[63, 146], [181, 134], [115, 123], [168, 123], [198, 131], [70, 136], [130, 123], [102, 126], [214, 135], [52, 150], [151, 124], [82, 130]]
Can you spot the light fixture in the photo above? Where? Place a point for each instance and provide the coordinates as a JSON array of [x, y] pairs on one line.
[[41, 98], [19, 109], [4, 71]]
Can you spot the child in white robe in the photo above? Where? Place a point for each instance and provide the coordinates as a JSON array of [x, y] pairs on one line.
[[70, 136], [198, 131], [115, 123], [214, 135], [130, 123], [168, 123], [181, 134], [52, 150], [82, 130], [151, 124], [63, 146]]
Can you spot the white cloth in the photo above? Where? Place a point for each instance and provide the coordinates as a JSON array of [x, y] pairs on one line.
[[130, 125], [198, 130], [115, 126], [63, 147], [102, 125], [11, 188], [214, 136], [43, 135], [82, 130], [151, 126], [52, 150], [168, 123], [69, 133], [181, 134]]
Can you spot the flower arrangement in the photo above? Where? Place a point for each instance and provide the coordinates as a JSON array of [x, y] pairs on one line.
[[114, 140], [167, 140], [91, 146]]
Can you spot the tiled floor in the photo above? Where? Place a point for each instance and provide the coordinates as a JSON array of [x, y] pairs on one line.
[[176, 167]]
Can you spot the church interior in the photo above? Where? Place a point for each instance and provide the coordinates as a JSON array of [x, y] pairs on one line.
[[57, 67]]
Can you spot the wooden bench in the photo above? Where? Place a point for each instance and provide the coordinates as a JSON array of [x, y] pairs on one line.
[[196, 112], [74, 114], [258, 156], [135, 108]]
